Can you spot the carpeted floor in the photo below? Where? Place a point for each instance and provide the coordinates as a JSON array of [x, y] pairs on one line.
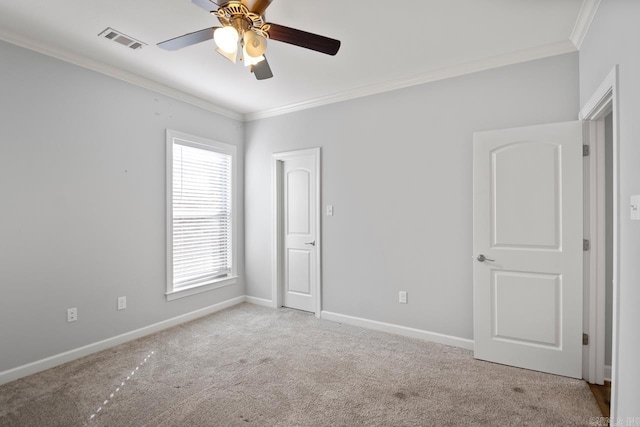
[[252, 365]]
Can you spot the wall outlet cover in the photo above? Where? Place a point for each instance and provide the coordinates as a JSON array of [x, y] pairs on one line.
[[402, 297]]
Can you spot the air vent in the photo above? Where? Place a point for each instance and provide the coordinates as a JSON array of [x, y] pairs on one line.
[[121, 38]]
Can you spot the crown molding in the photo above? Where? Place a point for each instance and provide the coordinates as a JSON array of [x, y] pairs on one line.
[[583, 22], [116, 73], [516, 57]]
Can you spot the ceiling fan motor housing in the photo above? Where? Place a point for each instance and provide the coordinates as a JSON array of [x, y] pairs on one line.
[[237, 15]]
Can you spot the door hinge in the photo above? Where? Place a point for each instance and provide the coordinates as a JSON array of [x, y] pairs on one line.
[[585, 150], [585, 339], [586, 245]]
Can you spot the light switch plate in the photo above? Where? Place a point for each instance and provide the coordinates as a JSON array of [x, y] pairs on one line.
[[635, 208], [329, 210]]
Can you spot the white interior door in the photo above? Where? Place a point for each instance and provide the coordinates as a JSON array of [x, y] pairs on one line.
[[299, 227], [527, 241]]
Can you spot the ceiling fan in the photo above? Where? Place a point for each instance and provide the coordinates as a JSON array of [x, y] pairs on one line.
[[244, 33]]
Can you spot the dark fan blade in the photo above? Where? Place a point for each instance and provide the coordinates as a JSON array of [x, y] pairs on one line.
[[304, 39], [262, 70], [188, 39], [257, 6], [208, 5]]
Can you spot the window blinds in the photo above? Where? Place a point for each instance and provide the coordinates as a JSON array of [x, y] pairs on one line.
[[201, 215]]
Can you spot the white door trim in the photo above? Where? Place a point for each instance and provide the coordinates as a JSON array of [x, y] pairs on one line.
[[602, 102], [277, 219]]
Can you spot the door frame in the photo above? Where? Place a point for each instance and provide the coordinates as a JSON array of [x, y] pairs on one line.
[[277, 197], [603, 101]]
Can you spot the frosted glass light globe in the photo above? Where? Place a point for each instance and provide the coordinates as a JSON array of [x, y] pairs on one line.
[[251, 60], [254, 44], [226, 38]]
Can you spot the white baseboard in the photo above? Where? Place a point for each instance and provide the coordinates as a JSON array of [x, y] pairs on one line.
[[398, 330], [258, 301], [68, 356], [607, 372]]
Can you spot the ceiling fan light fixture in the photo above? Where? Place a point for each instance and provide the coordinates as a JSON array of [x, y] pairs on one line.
[[226, 39], [249, 59], [254, 44]]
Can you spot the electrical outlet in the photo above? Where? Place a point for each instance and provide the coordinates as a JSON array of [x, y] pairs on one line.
[[402, 297], [72, 314], [122, 303], [329, 210]]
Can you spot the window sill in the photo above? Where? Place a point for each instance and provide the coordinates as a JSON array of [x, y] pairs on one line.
[[196, 289]]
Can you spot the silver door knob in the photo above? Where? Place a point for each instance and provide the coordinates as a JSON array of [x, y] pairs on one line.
[[483, 258], [311, 243]]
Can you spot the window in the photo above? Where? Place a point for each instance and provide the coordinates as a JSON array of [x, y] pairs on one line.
[[200, 214]]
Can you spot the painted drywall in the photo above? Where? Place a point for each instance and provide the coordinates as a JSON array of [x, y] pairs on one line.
[[612, 39], [397, 167], [82, 217]]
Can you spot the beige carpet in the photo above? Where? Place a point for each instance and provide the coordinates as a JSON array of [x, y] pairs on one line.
[[251, 365]]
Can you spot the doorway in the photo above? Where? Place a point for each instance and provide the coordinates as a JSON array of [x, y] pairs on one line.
[[601, 228], [608, 284], [296, 230]]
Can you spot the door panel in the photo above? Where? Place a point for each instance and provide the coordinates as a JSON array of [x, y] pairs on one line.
[[297, 198], [538, 196], [527, 209], [299, 211], [299, 271], [527, 307]]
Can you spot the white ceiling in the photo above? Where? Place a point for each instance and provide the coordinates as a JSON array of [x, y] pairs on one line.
[[385, 44]]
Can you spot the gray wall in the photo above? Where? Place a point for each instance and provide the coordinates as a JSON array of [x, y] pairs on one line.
[[613, 39], [83, 200], [398, 169]]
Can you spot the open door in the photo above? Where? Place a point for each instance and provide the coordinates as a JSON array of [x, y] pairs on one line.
[[528, 243], [297, 238], [300, 239]]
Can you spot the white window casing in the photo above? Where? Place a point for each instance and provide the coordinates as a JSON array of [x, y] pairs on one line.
[[201, 210]]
